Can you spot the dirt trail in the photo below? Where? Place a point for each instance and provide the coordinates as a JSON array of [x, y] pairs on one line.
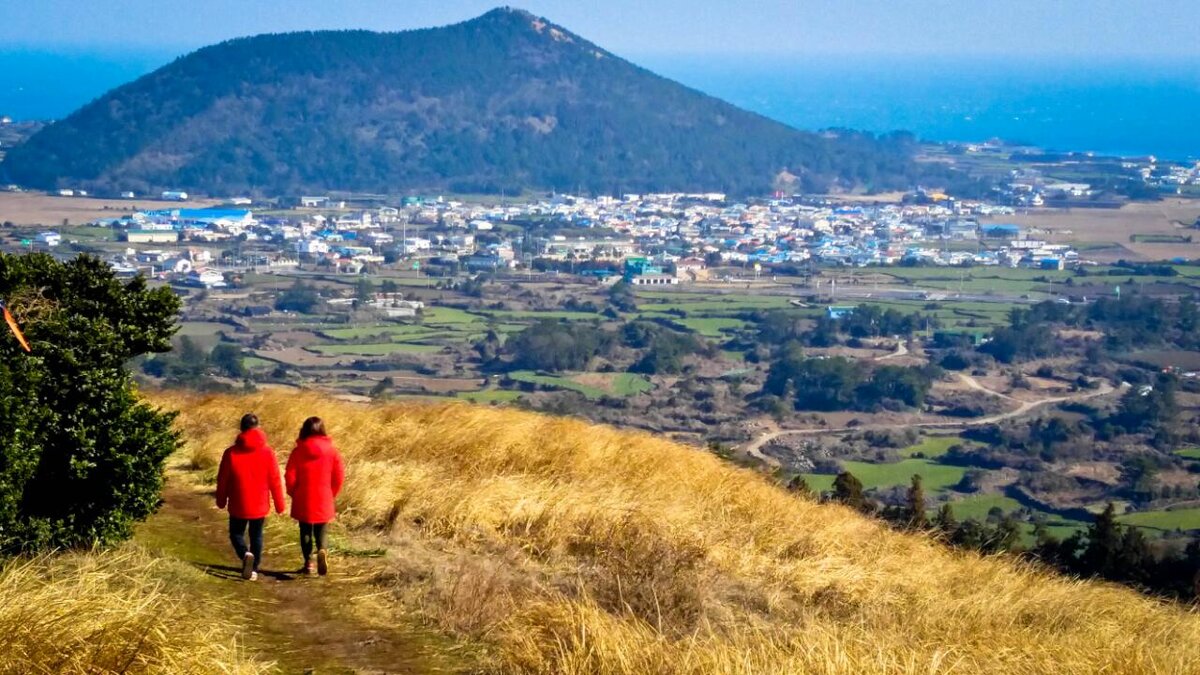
[[337, 624], [901, 350], [754, 449]]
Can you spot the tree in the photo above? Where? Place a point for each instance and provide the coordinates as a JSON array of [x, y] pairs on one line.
[[364, 290], [81, 458], [228, 360], [944, 521], [1103, 543], [915, 504], [556, 346], [299, 298], [621, 297], [848, 490], [799, 486]]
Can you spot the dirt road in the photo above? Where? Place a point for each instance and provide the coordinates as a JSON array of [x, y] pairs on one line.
[[336, 624], [754, 449]]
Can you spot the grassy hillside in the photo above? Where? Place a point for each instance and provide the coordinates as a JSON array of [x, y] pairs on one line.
[[566, 547], [112, 612]]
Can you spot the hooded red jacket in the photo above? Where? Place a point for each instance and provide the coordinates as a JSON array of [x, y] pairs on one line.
[[249, 477], [314, 478]]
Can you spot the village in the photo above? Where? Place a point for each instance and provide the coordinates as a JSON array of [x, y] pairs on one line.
[[667, 238]]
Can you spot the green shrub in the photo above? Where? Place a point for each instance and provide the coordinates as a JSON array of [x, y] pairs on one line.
[[81, 457]]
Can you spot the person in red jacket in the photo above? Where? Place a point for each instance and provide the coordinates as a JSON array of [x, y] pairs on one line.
[[247, 482], [314, 478]]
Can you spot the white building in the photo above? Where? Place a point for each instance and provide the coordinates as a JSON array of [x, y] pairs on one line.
[[49, 239]]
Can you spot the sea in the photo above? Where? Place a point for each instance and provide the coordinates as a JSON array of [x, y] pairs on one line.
[[1126, 107]]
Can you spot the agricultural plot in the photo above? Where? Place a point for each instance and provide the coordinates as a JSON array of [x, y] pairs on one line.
[[490, 396], [377, 349], [537, 316], [935, 477], [714, 326], [931, 447], [389, 331], [978, 506], [1178, 519], [449, 315], [591, 385]]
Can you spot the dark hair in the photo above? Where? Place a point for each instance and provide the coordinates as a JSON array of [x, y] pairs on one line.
[[249, 421], [313, 426]]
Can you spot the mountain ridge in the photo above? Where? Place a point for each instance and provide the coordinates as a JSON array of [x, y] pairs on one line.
[[503, 102]]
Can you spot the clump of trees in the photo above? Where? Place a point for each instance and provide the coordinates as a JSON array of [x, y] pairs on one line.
[[300, 297], [81, 457], [839, 383], [557, 346], [665, 348], [189, 365], [1106, 550]]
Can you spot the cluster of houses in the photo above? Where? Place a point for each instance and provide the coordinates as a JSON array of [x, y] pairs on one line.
[[654, 239]]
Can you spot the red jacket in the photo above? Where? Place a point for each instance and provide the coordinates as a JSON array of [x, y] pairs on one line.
[[249, 477], [314, 477]]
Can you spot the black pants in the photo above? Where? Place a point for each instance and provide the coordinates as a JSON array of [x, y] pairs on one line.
[[308, 533], [237, 536]]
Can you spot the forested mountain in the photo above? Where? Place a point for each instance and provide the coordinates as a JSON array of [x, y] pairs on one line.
[[502, 102]]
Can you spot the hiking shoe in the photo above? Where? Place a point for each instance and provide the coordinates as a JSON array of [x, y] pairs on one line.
[[253, 576], [322, 562], [309, 568], [248, 566]]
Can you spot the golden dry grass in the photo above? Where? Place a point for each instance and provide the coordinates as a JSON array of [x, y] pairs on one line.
[[572, 548], [111, 612]]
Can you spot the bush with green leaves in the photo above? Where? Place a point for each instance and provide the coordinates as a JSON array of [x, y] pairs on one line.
[[81, 457]]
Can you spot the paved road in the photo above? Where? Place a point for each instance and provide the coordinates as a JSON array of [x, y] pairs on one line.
[[754, 449]]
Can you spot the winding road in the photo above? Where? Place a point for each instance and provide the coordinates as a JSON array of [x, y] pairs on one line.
[[754, 449]]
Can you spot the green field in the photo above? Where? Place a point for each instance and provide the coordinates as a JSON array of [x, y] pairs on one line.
[[622, 384], [935, 477], [932, 447], [391, 330], [1179, 519], [449, 315], [630, 384], [977, 507], [204, 328], [254, 362], [378, 349], [490, 395], [712, 327], [516, 315]]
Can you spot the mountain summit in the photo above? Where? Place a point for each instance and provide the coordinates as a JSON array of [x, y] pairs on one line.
[[505, 101]]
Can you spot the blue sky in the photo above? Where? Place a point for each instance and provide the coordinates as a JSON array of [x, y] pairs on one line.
[[1076, 28]]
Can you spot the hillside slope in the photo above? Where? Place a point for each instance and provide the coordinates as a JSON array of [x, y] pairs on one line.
[[565, 547], [502, 102]]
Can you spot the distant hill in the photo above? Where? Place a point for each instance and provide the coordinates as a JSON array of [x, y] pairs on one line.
[[503, 102]]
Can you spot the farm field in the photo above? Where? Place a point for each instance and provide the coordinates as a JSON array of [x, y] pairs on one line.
[[1113, 227], [490, 395], [978, 506], [712, 327], [1178, 519], [931, 447], [377, 349], [591, 385], [935, 477], [36, 208]]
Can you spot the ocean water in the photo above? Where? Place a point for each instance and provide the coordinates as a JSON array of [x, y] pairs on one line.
[[39, 84], [1128, 107]]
